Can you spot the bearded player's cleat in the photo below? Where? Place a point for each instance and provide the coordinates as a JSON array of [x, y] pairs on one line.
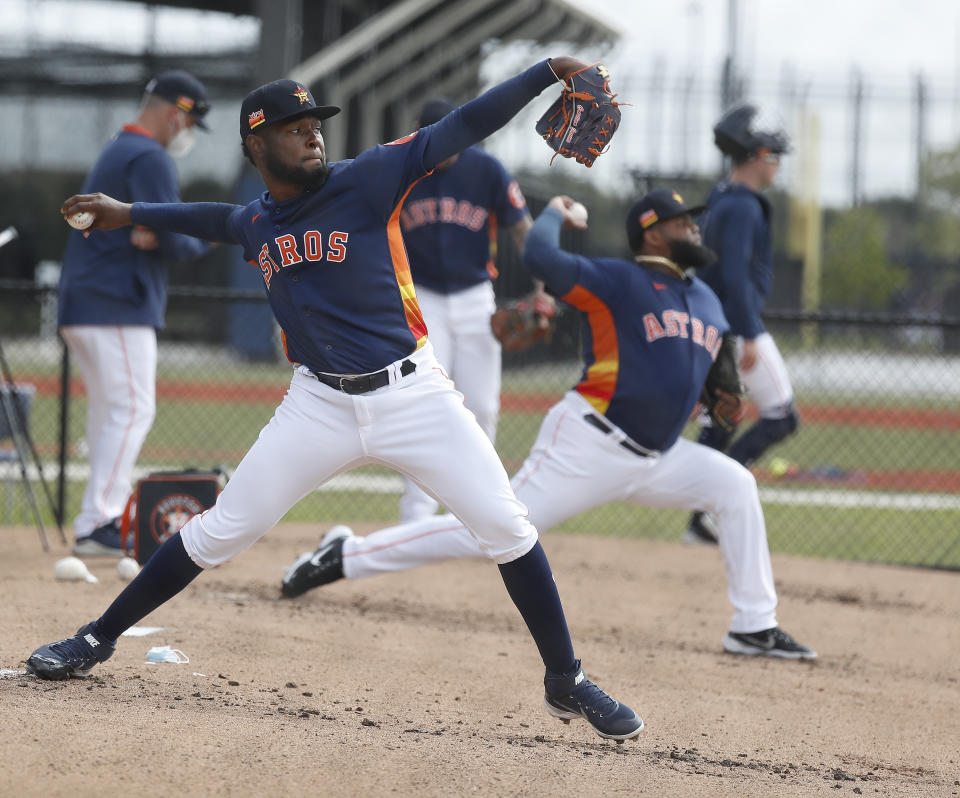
[[319, 567], [768, 643], [73, 656], [575, 696]]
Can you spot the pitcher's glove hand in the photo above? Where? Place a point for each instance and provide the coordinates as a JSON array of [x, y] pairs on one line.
[[583, 119], [722, 394], [519, 324]]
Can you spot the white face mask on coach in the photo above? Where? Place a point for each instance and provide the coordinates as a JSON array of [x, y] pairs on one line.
[[183, 141]]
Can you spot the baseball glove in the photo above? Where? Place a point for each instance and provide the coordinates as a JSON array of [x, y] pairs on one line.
[[722, 393], [519, 324], [583, 119]]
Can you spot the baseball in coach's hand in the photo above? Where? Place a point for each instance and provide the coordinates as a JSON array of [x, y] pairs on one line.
[[578, 213], [81, 220]]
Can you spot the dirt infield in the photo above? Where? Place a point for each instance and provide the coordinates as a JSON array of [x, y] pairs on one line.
[[427, 684]]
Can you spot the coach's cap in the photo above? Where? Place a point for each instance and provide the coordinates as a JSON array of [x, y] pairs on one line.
[[274, 102], [434, 110], [184, 91], [655, 206]]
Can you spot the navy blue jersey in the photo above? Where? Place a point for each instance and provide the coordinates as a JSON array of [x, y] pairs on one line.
[[736, 225], [450, 221], [105, 279], [334, 263], [333, 259], [649, 339]]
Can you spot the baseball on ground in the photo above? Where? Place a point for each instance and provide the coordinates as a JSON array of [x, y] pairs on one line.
[[578, 212], [72, 569], [81, 220], [127, 568]]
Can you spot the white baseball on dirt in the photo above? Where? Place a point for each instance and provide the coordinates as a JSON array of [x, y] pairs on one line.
[[127, 568], [578, 213], [80, 220], [72, 569]]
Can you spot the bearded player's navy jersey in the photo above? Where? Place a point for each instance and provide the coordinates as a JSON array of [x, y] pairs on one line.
[[450, 221], [333, 259], [649, 339], [736, 225]]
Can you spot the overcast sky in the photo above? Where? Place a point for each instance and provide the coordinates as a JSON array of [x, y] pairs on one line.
[[786, 49]]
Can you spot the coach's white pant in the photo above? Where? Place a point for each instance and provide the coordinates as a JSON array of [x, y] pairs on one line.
[[574, 467], [459, 328], [416, 425], [119, 369]]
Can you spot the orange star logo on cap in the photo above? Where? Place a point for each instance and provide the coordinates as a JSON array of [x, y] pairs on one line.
[[302, 94], [677, 198]]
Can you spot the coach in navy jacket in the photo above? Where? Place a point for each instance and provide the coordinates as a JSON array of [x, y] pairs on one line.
[[113, 296]]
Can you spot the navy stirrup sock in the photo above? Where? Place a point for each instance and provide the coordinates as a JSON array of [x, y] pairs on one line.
[[165, 574], [530, 584]]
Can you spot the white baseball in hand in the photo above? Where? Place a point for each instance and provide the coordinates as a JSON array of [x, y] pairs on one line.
[[577, 213], [81, 220]]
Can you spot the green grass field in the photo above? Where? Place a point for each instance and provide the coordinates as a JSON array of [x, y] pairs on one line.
[[218, 431]]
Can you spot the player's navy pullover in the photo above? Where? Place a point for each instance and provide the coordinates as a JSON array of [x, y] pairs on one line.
[[333, 259], [649, 338], [736, 225], [105, 279], [450, 219]]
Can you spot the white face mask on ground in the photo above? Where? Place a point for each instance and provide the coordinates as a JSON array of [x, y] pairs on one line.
[[181, 144]]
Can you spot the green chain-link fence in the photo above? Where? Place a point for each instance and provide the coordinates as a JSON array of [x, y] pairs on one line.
[[873, 473]]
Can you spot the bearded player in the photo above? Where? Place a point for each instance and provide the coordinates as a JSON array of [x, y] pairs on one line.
[[651, 334], [366, 387]]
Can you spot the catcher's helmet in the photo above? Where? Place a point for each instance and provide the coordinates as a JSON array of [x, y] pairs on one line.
[[745, 128]]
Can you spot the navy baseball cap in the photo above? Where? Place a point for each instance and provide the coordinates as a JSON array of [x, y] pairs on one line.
[[184, 91], [434, 110], [274, 102], [655, 206]]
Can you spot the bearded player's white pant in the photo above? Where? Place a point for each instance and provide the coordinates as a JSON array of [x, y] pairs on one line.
[[574, 467], [459, 328], [119, 369], [416, 425]]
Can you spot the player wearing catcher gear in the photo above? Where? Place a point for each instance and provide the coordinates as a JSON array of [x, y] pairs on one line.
[[449, 223], [736, 226], [366, 387], [113, 295], [651, 335]]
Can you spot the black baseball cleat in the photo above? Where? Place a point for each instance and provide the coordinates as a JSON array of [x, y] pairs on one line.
[[575, 696], [319, 567], [768, 643], [73, 656], [702, 530]]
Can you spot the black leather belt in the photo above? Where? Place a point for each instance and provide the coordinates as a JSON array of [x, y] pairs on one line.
[[366, 382], [597, 421]]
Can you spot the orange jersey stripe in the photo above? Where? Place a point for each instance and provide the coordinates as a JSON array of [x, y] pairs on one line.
[[401, 267], [600, 381], [492, 227]]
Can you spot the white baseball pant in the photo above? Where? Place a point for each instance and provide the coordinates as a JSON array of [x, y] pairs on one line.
[[574, 467], [767, 383], [119, 369], [459, 328], [416, 425]]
